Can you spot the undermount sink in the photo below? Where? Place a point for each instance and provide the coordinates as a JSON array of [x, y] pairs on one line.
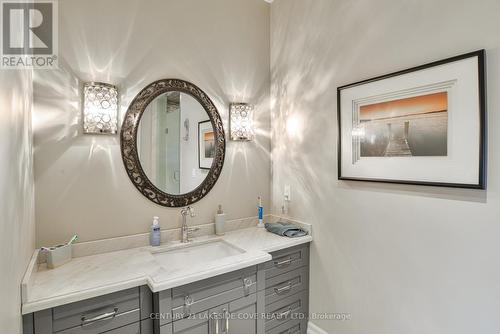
[[195, 253]]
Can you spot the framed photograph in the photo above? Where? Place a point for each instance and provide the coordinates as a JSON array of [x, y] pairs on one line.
[[423, 126], [206, 145]]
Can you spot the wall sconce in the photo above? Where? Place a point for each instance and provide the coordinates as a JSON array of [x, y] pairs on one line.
[[241, 121], [100, 108]]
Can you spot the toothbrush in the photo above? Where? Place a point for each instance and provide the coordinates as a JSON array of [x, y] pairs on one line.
[[75, 238], [71, 241], [260, 212]]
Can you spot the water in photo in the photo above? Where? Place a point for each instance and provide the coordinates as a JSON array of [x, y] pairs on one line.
[[413, 126]]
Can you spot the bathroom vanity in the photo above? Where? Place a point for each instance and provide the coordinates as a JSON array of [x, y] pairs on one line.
[[247, 282], [268, 296]]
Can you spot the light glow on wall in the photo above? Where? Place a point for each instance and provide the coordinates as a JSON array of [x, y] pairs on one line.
[[295, 126]]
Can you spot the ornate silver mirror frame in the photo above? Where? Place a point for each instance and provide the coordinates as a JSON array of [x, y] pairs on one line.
[[130, 155]]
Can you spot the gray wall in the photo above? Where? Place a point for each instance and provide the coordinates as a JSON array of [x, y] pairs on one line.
[[81, 185], [400, 259], [17, 228]]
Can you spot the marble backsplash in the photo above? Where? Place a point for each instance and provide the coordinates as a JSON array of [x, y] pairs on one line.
[[170, 235]]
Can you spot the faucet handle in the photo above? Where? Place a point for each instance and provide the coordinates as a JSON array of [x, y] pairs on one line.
[[188, 210]]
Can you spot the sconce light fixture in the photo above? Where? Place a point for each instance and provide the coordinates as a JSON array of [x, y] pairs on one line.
[[241, 121], [100, 108]]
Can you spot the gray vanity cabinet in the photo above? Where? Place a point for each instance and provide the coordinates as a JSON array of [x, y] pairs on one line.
[[286, 291], [125, 312], [270, 298], [217, 305]]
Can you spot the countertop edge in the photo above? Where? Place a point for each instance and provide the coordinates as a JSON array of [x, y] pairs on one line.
[[181, 280], [44, 304], [296, 241], [26, 282]]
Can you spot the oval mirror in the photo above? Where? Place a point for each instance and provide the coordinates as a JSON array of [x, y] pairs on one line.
[[172, 143]]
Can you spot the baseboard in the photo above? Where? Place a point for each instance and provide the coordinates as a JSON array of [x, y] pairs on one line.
[[313, 329]]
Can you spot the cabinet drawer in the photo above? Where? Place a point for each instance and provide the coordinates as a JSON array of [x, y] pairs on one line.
[[198, 323], [101, 326], [75, 314], [130, 329], [281, 286], [200, 296], [293, 326], [286, 260], [292, 307]]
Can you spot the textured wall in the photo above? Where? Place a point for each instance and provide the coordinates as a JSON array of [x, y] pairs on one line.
[[400, 259], [81, 185], [17, 228]]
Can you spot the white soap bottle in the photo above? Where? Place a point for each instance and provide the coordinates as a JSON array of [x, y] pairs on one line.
[[155, 234], [220, 221]]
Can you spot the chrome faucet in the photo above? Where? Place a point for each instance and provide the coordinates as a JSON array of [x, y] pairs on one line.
[[187, 231]]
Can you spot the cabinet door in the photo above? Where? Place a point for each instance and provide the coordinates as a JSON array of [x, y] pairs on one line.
[[243, 317], [208, 322]]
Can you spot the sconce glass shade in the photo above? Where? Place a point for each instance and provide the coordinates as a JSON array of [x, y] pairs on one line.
[[100, 108], [241, 121]]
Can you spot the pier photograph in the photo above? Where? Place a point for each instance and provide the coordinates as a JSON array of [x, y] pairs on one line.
[[413, 126]]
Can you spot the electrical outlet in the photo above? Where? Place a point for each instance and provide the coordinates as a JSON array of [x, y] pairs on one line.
[[287, 194]]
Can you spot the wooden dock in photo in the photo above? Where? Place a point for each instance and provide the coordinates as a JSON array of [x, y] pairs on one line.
[[398, 147]]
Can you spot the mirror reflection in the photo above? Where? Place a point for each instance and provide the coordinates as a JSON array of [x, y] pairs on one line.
[[176, 143]]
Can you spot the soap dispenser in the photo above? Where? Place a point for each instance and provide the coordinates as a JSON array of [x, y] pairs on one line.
[[155, 234], [220, 220]]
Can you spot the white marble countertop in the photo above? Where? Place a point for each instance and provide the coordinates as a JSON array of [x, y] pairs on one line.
[[95, 275]]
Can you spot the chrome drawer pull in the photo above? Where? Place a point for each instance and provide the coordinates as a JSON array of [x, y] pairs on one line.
[[188, 301], [214, 323], [226, 319], [101, 317], [285, 289], [247, 284], [283, 263], [285, 314]]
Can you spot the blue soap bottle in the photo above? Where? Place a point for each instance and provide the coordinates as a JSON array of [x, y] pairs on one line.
[[154, 234]]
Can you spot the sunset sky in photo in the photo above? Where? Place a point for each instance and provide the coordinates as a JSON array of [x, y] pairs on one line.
[[403, 107]]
